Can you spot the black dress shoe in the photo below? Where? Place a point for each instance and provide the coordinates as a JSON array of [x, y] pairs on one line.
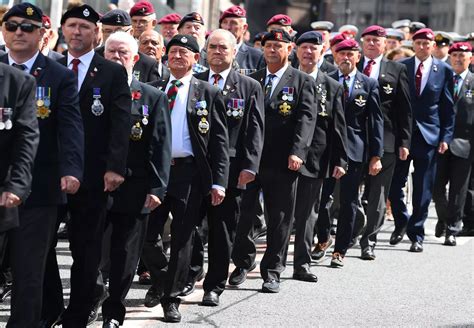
[[239, 275], [171, 313], [304, 274], [111, 323], [320, 250], [210, 299], [450, 241], [152, 297], [396, 237], [5, 291], [416, 247], [271, 286], [190, 286], [368, 254], [259, 232], [440, 229], [94, 314]]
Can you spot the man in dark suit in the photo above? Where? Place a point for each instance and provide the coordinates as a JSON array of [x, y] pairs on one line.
[[454, 166], [364, 123], [58, 165], [431, 84], [151, 43], [245, 117], [234, 20], [396, 109], [290, 118], [144, 188], [199, 167], [105, 102], [326, 156]]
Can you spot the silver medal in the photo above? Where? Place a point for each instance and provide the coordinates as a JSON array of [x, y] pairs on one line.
[[8, 124], [97, 107], [2, 126], [284, 97], [145, 121]]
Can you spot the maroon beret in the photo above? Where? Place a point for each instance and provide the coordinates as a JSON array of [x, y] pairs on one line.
[[424, 33], [348, 44], [170, 19], [374, 30], [234, 11], [191, 17], [280, 19], [46, 21], [460, 46], [337, 38], [142, 8]]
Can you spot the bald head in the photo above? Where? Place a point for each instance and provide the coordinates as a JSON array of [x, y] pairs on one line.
[[151, 43]]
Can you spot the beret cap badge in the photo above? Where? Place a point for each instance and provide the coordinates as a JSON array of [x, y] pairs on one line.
[[86, 12], [184, 39], [30, 11]]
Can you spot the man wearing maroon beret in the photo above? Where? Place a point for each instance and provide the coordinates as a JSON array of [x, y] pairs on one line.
[[431, 85], [454, 166], [169, 26], [143, 18], [234, 20], [395, 104]]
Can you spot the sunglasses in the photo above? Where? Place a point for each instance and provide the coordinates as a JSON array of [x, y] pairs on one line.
[[25, 27]]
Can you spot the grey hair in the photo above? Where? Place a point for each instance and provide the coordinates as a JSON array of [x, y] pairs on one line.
[[229, 36], [123, 37]]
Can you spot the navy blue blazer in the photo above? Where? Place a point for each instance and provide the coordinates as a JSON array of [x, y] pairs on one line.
[[364, 119], [248, 57], [433, 109], [61, 147]]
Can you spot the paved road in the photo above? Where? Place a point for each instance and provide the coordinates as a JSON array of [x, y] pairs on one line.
[[399, 289]]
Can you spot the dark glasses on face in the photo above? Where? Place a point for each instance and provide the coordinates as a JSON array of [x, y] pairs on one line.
[[25, 27]]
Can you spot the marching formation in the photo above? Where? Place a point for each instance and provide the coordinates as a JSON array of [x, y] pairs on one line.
[[155, 144]]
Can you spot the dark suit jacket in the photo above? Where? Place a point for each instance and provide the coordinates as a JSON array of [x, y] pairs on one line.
[[149, 158], [245, 132], [61, 147], [328, 147], [211, 148], [433, 109], [145, 69], [54, 55], [106, 135], [327, 67], [463, 138], [248, 57], [18, 145], [165, 73], [394, 92], [288, 130], [364, 119]]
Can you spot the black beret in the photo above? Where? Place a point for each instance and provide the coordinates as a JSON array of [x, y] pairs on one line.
[[310, 37], [185, 41], [276, 35], [191, 17], [24, 10], [116, 17], [85, 12]]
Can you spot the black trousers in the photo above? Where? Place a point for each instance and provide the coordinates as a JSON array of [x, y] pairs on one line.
[[29, 246], [379, 186], [222, 221], [86, 229], [128, 235], [184, 198], [455, 171], [325, 211], [308, 195], [349, 195]]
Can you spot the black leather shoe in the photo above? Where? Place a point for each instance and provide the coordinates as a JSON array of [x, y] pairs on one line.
[[271, 286], [111, 323], [171, 313], [396, 237], [152, 297], [368, 254], [190, 286], [259, 232], [416, 247], [239, 275], [440, 229], [320, 250], [5, 291], [304, 274], [94, 314], [450, 241], [210, 299]]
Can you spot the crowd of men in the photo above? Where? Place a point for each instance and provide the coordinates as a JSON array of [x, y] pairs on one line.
[[138, 133]]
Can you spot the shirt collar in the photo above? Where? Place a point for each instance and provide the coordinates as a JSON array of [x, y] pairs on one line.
[[376, 60], [426, 63], [313, 74], [85, 59], [224, 74], [351, 74], [280, 72], [464, 74], [186, 80], [29, 63]]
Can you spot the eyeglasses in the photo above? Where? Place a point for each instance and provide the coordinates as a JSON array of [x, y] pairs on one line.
[[25, 27]]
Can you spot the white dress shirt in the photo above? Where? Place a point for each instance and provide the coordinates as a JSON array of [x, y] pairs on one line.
[[83, 66], [223, 74], [29, 63], [425, 71], [374, 73], [278, 74]]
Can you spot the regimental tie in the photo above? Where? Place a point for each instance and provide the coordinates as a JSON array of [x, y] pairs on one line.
[[217, 78], [75, 65], [173, 92], [418, 77], [368, 67], [269, 86], [457, 86], [21, 67], [345, 86]]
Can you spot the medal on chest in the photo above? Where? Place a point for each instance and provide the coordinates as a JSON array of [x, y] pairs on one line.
[[97, 108], [202, 112], [136, 132], [322, 103], [43, 101], [5, 118], [235, 108], [288, 93]]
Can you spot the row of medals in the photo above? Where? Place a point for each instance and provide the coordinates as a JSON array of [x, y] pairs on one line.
[[203, 125]]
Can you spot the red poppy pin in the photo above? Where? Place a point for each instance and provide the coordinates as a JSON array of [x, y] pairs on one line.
[[136, 95]]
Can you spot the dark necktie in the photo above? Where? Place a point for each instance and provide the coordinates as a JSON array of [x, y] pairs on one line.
[[269, 86], [457, 87], [75, 65], [368, 67], [418, 77], [21, 67], [345, 86], [217, 78], [173, 92]]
